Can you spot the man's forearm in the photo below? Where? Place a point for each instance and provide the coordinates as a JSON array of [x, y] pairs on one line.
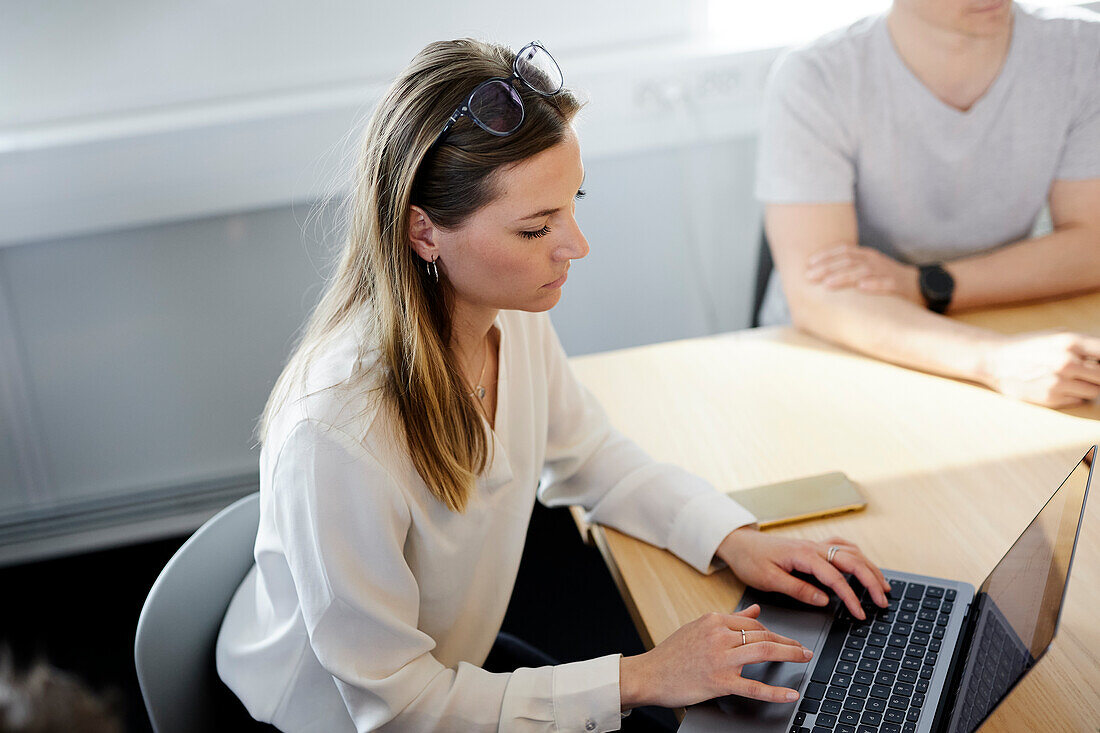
[[895, 330], [1062, 263]]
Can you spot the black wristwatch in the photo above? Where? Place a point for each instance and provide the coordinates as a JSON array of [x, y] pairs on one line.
[[936, 286]]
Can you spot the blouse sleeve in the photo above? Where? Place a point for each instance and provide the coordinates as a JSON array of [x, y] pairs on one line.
[[588, 462], [343, 521]]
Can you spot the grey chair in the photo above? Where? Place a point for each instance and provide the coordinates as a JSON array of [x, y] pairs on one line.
[[764, 266], [178, 627]]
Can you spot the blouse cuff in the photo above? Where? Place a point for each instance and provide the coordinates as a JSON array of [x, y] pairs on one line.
[[586, 695], [701, 526]]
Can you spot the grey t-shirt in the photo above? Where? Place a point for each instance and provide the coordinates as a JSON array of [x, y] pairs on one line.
[[845, 120]]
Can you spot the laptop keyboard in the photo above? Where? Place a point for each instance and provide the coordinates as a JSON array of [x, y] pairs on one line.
[[998, 662], [873, 675]]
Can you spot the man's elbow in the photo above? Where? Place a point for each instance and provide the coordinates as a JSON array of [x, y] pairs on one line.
[[805, 310]]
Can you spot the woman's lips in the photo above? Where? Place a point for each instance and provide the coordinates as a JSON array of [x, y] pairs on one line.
[[559, 282]]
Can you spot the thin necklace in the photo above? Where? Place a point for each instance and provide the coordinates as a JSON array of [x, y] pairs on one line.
[[479, 391]]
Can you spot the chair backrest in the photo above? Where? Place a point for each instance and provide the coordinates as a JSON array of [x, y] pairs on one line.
[[764, 267], [178, 627]]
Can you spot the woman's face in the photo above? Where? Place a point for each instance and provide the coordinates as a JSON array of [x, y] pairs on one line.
[[514, 252]]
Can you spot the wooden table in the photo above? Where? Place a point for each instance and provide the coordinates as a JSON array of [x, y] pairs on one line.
[[956, 461]]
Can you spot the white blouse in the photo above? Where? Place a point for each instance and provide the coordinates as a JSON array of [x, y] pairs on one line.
[[372, 606]]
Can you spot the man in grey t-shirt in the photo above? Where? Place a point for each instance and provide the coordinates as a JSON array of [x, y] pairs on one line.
[[903, 163]]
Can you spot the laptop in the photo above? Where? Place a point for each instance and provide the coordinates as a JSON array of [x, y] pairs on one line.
[[941, 657]]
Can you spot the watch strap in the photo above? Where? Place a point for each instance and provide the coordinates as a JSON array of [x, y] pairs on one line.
[[936, 287]]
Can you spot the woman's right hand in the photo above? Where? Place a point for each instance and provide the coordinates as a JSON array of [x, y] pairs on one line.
[[703, 659]]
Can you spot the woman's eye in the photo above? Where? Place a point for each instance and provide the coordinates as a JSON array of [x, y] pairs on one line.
[[536, 233], [580, 194]]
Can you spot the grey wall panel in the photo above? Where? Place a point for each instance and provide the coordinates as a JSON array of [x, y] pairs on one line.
[[673, 237], [150, 352], [11, 486]]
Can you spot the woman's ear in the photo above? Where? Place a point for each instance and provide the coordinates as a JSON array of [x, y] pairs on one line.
[[422, 235]]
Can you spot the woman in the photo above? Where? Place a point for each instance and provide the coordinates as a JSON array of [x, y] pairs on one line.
[[404, 442]]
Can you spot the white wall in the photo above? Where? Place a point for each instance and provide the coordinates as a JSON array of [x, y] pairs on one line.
[[68, 60]]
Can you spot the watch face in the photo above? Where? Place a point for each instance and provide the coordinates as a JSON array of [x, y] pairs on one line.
[[937, 282]]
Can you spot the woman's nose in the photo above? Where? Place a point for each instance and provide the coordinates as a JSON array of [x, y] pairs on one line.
[[575, 245]]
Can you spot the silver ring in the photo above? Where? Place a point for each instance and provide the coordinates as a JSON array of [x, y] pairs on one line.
[[744, 639], [832, 553]]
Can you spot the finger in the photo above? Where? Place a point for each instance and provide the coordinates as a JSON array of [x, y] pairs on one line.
[[1057, 400], [858, 566], [752, 611], [1084, 370], [770, 651], [830, 576], [1088, 347], [854, 549], [855, 272], [1078, 389], [877, 285], [736, 622], [825, 254], [846, 279], [837, 258], [817, 274], [753, 636], [760, 691], [789, 585], [832, 266]]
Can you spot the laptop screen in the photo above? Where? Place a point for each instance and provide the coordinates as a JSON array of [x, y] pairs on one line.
[[1017, 608]]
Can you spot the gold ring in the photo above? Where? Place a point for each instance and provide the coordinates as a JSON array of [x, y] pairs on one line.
[[744, 639], [832, 553]]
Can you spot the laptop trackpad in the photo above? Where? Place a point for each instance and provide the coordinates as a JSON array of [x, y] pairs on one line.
[[785, 616]]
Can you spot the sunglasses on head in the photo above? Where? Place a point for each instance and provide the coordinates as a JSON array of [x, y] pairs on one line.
[[495, 105]]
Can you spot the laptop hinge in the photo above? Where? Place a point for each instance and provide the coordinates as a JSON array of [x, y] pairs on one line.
[[955, 669]]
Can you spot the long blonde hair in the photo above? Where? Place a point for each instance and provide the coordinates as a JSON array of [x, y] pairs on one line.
[[379, 274]]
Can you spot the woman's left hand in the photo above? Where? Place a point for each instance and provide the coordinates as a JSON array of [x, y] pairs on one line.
[[766, 562], [864, 269]]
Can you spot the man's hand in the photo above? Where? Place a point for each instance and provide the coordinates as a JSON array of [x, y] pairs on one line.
[[1046, 368], [866, 270]]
